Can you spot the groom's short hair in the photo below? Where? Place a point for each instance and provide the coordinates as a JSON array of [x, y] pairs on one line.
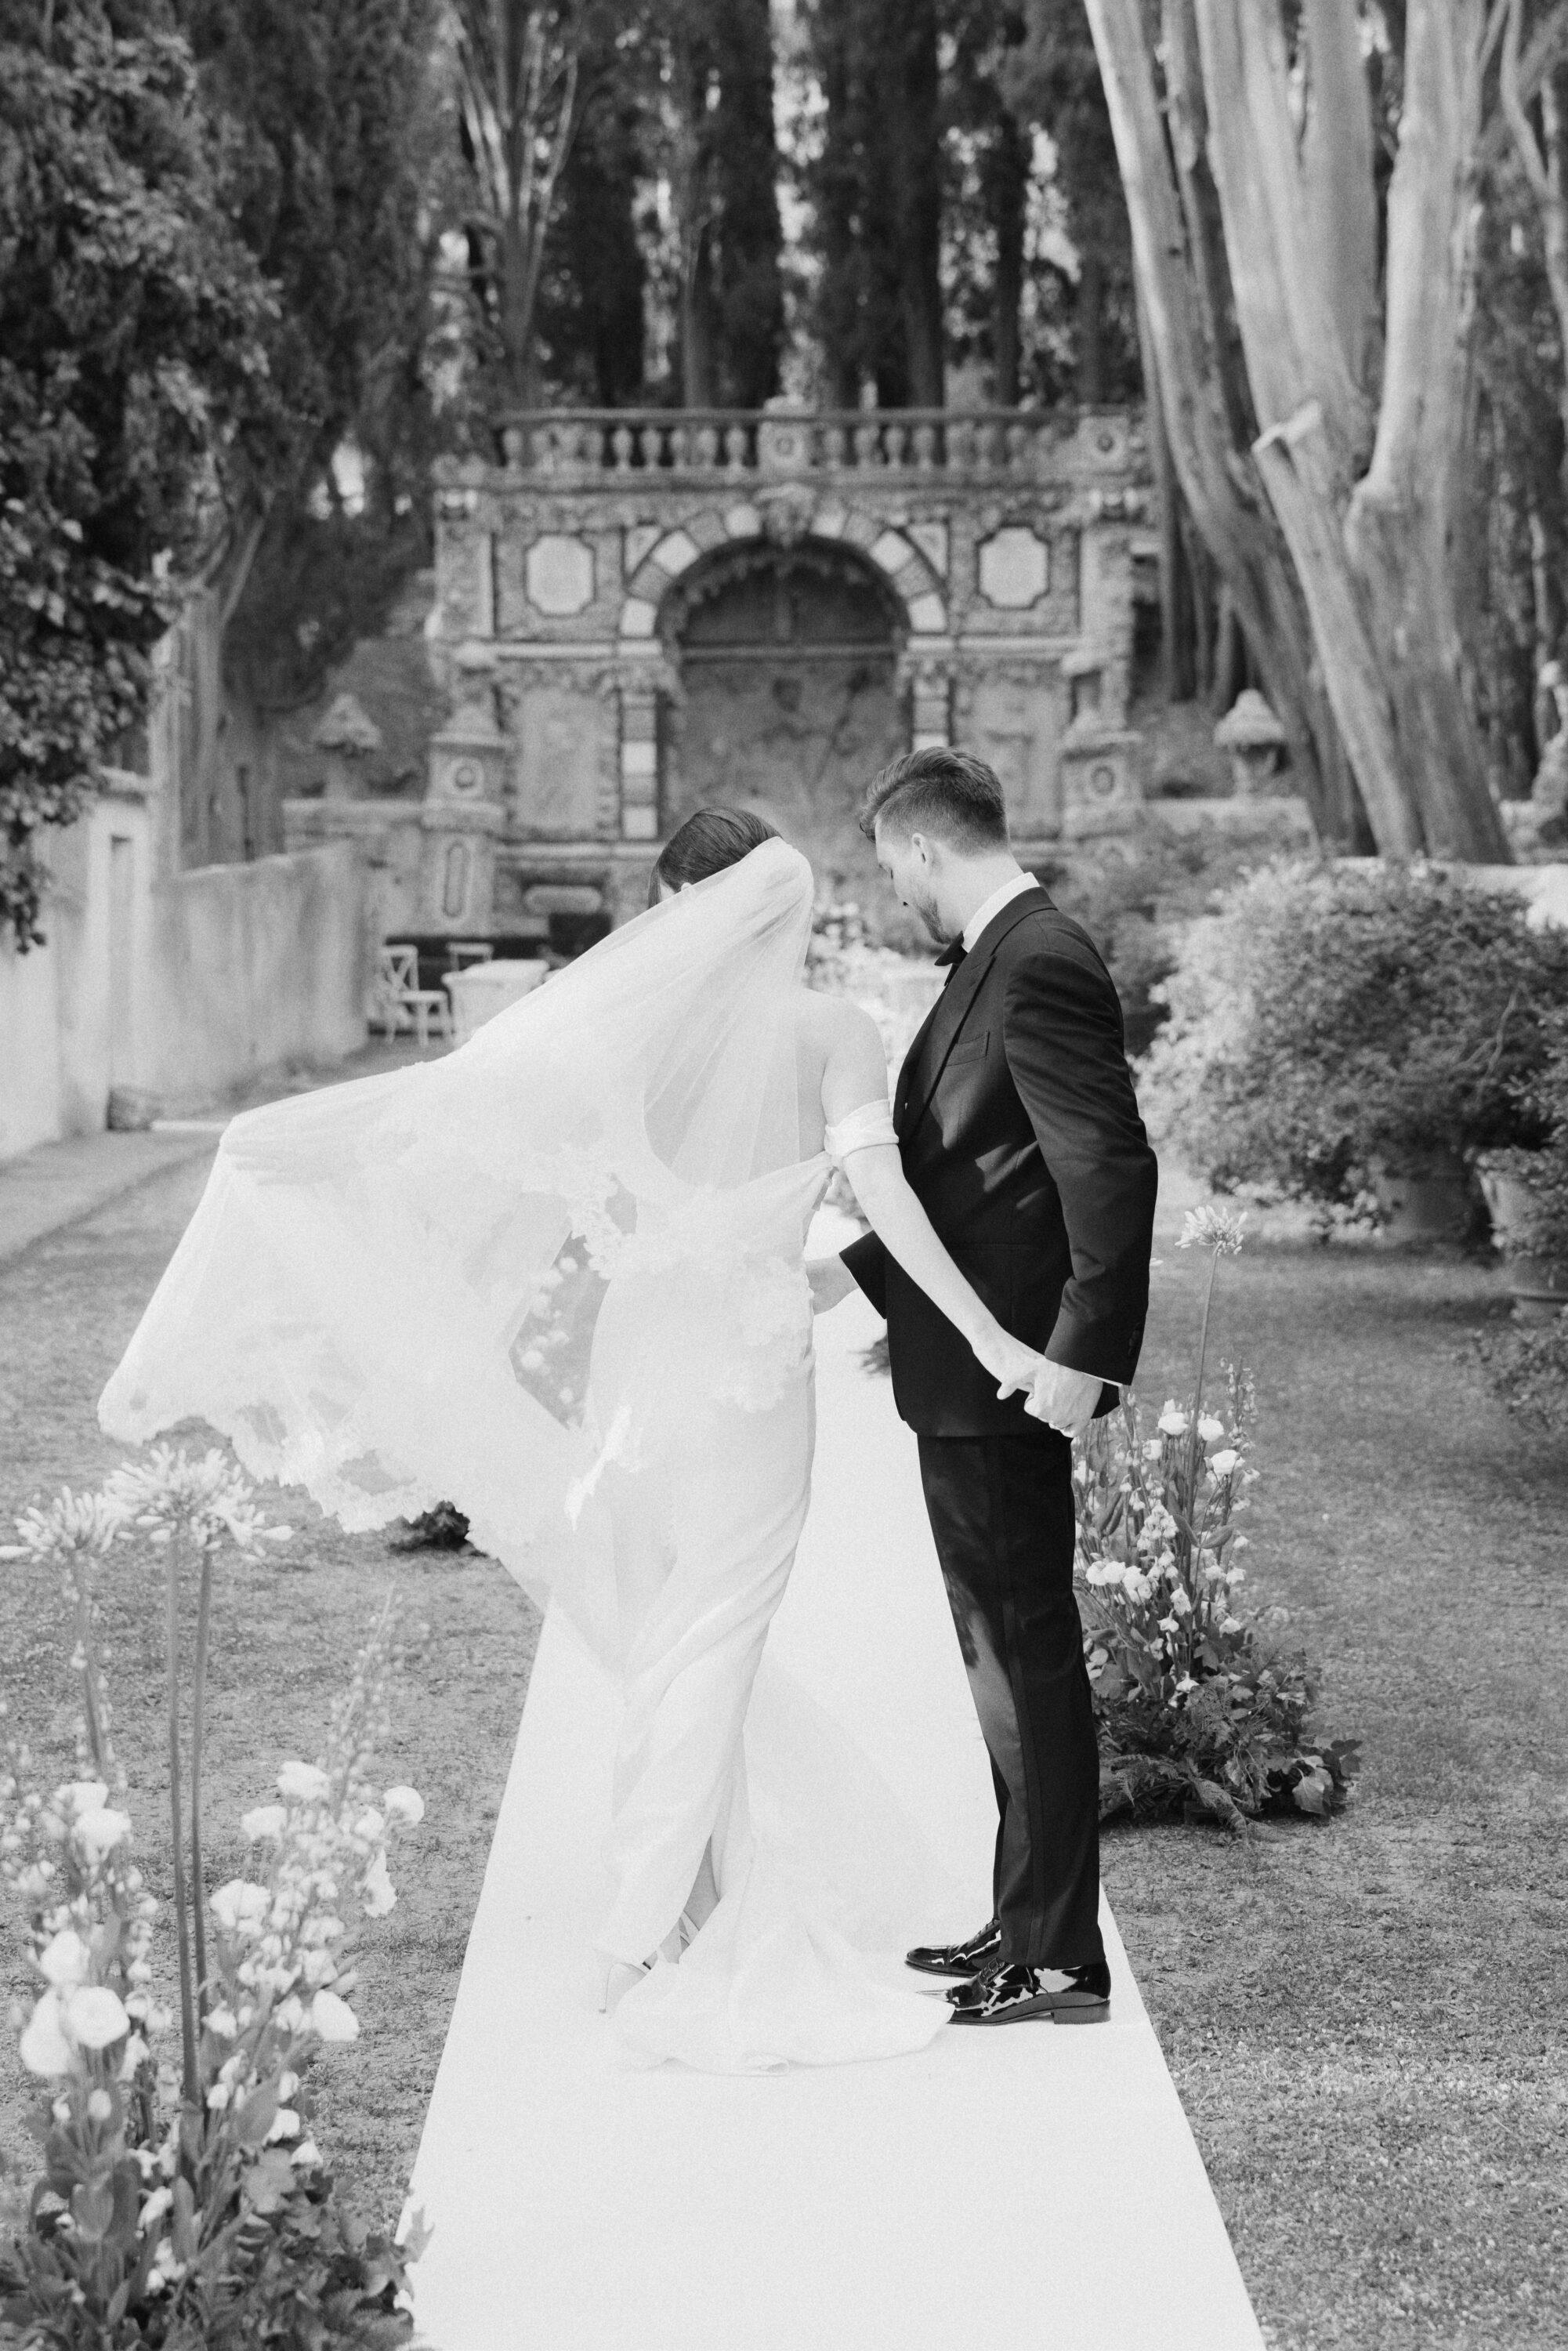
[[949, 794]]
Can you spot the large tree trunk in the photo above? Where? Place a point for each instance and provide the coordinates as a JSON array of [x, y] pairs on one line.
[[1366, 505], [916, 96], [1179, 262], [1010, 193], [1179, 661], [518, 69]]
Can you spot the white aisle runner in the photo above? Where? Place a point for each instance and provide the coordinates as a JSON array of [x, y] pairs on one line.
[[1028, 2186]]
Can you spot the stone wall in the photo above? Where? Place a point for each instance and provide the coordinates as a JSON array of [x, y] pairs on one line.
[[170, 989]]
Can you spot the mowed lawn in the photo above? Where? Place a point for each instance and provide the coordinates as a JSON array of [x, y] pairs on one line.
[[1365, 2019]]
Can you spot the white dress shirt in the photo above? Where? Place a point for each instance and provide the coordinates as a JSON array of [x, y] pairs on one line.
[[994, 904], [987, 912]]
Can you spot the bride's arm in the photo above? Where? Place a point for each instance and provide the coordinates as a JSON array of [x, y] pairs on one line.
[[855, 1080]]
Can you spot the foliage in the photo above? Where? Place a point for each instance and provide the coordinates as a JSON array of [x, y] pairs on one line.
[[876, 191], [185, 2204], [1194, 1706], [1331, 1014], [327, 122], [137, 410], [1528, 1364], [1515, 543]]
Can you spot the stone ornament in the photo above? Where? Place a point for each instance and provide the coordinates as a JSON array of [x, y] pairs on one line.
[[558, 575], [1014, 567], [1254, 740]]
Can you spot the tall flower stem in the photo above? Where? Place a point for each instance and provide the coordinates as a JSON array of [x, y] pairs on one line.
[[97, 1737], [1194, 1442], [182, 1910], [198, 1731]]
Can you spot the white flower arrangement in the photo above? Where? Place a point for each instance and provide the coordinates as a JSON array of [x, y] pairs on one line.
[[164, 2182], [1191, 1708]]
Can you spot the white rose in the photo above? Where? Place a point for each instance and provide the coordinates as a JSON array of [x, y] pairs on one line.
[[95, 2017], [405, 1804], [223, 2022], [239, 1907], [263, 1823], [303, 1783], [44, 2048], [66, 1959], [285, 2124], [379, 1894], [1210, 1429], [100, 1830], [332, 2019], [153, 2211], [1222, 1463], [1173, 1420], [1153, 1449], [82, 1795]]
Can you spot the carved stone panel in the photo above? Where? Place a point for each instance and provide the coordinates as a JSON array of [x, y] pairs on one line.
[[1015, 719], [1015, 568], [560, 574], [564, 737]]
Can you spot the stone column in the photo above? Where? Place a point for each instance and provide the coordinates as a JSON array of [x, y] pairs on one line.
[[639, 762], [463, 814], [931, 705]]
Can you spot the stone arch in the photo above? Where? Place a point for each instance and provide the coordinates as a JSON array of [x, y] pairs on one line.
[[781, 673], [788, 520]]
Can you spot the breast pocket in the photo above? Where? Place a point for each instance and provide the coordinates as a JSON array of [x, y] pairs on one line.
[[968, 1050]]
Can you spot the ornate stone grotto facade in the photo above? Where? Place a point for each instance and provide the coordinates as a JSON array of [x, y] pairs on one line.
[[637, 613]]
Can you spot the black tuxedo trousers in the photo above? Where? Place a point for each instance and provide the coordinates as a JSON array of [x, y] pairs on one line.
[[1020, 1136], [1002, 1511]]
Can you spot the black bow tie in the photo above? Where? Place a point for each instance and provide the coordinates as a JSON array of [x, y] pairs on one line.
[[954, 953]]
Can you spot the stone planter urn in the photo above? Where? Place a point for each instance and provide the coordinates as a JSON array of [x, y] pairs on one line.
[[346, 735], [1424, 1199], [1537, 1270], [1254, 741]]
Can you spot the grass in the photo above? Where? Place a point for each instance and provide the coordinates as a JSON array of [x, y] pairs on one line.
[[1365, 2019], [284, 1632]]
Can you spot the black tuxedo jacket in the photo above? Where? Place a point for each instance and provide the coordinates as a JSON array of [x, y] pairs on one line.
[[1020, 1134]]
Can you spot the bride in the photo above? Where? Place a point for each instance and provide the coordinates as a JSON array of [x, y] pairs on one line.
[[556, 1279]]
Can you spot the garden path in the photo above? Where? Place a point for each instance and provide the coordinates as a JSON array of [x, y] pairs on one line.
[[973, 2194]]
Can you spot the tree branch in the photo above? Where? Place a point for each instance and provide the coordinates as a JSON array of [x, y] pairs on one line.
[[1514, 105], [1547, 47]]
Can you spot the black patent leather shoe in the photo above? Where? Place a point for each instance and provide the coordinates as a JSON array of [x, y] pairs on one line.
[[981, 1950], [1006, 1995]]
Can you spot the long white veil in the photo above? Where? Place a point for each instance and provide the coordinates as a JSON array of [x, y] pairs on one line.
[[388, 1290]]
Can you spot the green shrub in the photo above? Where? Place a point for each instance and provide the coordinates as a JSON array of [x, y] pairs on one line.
[[1330, 1014], [1529, 1369]]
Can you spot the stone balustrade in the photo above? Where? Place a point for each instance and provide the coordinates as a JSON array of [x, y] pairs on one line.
[[581, 446]]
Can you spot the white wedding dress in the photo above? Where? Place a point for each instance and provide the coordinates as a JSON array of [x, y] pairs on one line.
[[557, 1279]]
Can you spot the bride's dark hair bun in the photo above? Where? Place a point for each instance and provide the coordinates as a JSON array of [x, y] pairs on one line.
[[705, 844]]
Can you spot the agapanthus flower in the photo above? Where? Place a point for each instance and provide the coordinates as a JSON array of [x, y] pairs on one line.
[[1214, 1227]]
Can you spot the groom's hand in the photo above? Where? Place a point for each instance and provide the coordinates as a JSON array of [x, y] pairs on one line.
[[832, 1282], [1063, 1399]]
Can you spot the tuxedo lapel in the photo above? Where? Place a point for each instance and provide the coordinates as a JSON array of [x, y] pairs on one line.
[[925, 1061]]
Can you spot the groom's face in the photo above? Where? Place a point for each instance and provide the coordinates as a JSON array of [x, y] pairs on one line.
[[905, 859]]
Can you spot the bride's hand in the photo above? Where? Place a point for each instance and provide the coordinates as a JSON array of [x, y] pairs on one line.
[[831, 1281], [1010, 1363]]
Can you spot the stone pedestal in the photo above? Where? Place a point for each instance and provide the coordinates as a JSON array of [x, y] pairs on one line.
[[1100, 792], [463, 816]]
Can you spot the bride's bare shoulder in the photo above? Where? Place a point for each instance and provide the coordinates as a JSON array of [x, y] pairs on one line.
[[834, 1021]]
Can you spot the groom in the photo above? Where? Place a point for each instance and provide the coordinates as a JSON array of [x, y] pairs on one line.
[[1020, 1134]]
